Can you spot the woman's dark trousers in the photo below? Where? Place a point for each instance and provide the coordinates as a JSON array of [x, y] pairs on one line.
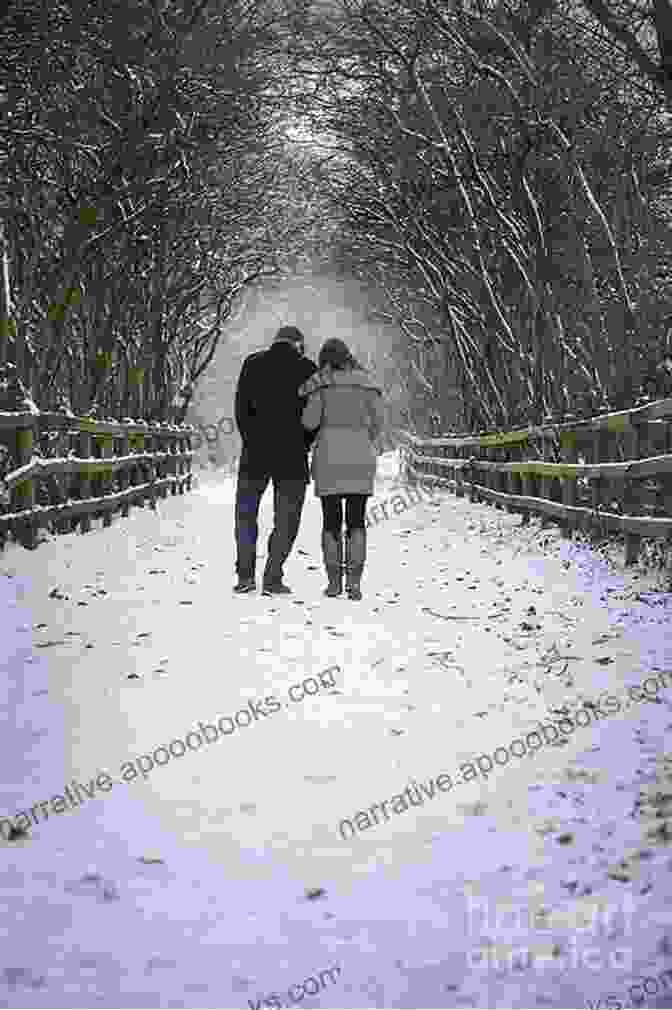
[[288, 498]]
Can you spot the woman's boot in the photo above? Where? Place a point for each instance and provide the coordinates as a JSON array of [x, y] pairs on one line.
[[355, 558], [332, 554]]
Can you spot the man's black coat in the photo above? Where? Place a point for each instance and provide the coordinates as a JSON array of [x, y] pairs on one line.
[[268, 413]]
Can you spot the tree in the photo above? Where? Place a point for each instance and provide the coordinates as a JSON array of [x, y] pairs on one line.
[[146, 177], [477, 170]]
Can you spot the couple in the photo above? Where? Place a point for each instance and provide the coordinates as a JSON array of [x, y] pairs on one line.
[[283, 405]]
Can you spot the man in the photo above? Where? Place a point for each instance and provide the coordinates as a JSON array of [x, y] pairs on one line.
[[275, 447]]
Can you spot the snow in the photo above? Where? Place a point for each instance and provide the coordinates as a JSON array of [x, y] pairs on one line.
[[188, 888]]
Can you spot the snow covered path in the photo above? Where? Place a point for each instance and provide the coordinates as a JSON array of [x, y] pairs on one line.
[[189, 888]]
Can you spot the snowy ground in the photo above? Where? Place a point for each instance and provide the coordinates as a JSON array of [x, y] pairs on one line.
[[189, 888]]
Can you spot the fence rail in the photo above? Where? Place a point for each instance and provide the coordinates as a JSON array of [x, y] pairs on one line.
[[60, 470], [613, 471]]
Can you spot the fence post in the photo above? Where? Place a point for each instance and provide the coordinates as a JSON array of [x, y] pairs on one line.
[[486, 475], [182, 445], [483, 475], [471, 452], [631, 443], [189, 462], [667, 493], [515, 453], [609, 453], [492, 455], [569, 454], [106, 451], [152, 469], [125, 473], [464, 471], [24, 493], [505, 477], [84, 488], [167, 443], [597, 483], [474, 473], [459, 472], [67, 484], [446, 471], [528, 484], [499, 475], [546, 481], [173, 449], [420, 465], [14, 397], [137, 471], [499, 456], [160, 464]]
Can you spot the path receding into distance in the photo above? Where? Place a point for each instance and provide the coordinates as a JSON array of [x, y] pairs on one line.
[[189, 888]]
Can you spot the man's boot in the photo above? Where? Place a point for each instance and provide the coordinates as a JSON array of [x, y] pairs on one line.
[[272, 585], [246, 580], [355, 558], [332, 554]]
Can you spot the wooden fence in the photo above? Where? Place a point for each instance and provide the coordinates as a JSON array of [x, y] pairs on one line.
[[611, 472], [65, 470]]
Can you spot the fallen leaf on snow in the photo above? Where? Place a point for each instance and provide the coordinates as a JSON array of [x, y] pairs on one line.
[[474, 809], [447, 617], [315, 892], [14, 976]]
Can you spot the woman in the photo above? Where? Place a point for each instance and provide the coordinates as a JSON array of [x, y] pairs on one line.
[[346, 405]]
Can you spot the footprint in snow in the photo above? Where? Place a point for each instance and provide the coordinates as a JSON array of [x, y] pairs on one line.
[[20, 976], [93, 884]]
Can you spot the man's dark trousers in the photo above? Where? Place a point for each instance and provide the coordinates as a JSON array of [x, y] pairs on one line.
[[288, 498]]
